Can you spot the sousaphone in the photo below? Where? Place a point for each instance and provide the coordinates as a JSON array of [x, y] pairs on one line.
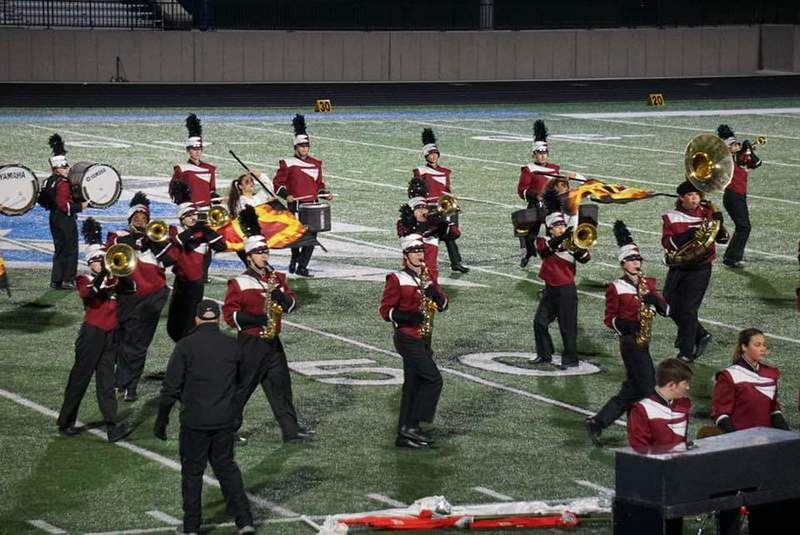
[[708, 163]]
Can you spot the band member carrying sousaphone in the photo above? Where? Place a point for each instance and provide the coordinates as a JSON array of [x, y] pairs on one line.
[[299, 181]]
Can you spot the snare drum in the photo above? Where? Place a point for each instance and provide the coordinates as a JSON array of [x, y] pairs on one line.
[[316, 216], [98, 183], [19, 189], [524, 220]]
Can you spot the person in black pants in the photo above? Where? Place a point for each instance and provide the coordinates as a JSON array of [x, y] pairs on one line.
[[202, 375], [624, 299]]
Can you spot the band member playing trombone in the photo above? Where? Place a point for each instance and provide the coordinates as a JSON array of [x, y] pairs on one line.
[[437, 182], [559, 297], [254, 305], [299, 180], [139, 312], [735, 197], [95, 347], [410, 299], [631, 303]]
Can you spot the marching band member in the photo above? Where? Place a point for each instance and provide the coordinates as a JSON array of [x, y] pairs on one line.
[[250, 308], [686, 282], [139, 312], [437, 182], [532, 184], [191, 244], [200, 176], [659, 422], [243, 193], [56, 197], [559, 297], [402, 303], [299, 180], [746, 392], [735, 197], [631, 303], [95, 347]]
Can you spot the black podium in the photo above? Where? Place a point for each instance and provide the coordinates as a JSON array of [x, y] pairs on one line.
[[758, 468]]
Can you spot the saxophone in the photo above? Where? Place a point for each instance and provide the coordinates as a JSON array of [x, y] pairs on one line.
[[426, 306], [696, 249], [272, 310], [646, 314]]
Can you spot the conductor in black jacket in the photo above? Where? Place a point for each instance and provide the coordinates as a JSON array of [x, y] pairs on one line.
[[202, 374]]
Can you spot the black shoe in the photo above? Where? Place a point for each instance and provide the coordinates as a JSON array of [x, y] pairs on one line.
[[733, 264], [524, 261], [68, 285], [117, 432], [415, 434], [306, 430], [69, 431], [405, 442], [460, 268], [130, 395], [569, 365], [246, 529], [594, 429], [299, 437], [702, 345], [303, 272], [541, 360], [292, 267], [685, 359], [55, 285]]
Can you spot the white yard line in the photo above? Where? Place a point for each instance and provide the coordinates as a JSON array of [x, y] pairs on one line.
[[165, 518], [147, 454], [595, 486], [204, 526], [45, 526], [679, 113], [385, 499], [493, 494]]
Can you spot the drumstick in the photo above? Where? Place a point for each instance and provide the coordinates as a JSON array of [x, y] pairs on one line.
[[249, 171]]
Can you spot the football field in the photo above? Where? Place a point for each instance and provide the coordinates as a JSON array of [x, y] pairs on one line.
[[505, 430]]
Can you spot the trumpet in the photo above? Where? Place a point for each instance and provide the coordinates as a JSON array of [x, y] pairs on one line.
[[447, 205], [120, 260], [157, 231], [583, 237], [216, 217]]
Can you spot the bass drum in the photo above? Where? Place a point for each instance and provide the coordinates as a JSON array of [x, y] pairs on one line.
[[316, 216], [19, 189], [98, 183]]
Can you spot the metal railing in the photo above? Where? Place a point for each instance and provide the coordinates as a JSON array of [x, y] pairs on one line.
[[129, 14]]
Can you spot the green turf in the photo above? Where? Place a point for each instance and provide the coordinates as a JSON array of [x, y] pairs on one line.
[[487, 437]]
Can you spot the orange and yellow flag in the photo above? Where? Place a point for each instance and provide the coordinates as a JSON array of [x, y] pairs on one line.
[[279, 226]]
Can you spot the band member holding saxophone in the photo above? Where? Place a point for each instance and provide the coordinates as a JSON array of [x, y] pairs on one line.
[[437, 182], [299, 180], [254, 305], [139, 312], [560, 297], [735, 197], [410, 300], [688, 234], [95, 347], [631, 303]]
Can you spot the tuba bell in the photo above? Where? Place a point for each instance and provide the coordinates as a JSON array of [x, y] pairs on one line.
[[120, 260], [447, 205], [708, 163], [157, 231]]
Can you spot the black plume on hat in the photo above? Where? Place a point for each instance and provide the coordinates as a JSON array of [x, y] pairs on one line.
[[539, 131], [724, 131], [622, 234], [428, 136], [92, 231], [686, 187], [193, 126], [417, 188], [551, 201], [179, 192], [57, 144], [299, 124], [139, 198], [248, 220]]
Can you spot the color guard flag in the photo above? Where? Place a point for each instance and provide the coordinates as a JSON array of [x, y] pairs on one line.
[[278, 225], [4, 277], [600, 192]]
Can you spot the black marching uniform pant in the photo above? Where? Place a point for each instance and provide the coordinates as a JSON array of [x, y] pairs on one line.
[[640, 380], [528, 241], [264, 362], [422, 382], [199, 447], [64, 229], [186, 295], [736, 205], [684, 289], [301, 256], [138, 320], [95, 350], [557, 302]]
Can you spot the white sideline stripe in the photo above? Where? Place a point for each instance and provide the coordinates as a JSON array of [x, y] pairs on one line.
[[595, 486], [310, 522], [679, 113], [164, 517], [385, 499], [204, 526], [46, 526], [493, 494], [147, 454]]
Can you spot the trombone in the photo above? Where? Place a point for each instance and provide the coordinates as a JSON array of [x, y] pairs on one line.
[[120, 260]]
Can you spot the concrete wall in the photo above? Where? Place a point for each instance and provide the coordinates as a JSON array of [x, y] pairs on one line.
[[780, 47], [227, 56]]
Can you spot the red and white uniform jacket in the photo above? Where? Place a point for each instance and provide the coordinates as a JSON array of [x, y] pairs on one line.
[[739, 181], [677, 222], [558, 267], [64, 202], [437, 180], [622, 301], [99, 305], [190, 257], [302, 179], [247, 294], [530, 180], [402, 291], [150, 273], [201, 179], [748, 396], [658, 425]]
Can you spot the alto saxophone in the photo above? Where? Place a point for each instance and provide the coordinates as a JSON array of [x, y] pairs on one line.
[[646, 314], [272, 310], [427, 305]]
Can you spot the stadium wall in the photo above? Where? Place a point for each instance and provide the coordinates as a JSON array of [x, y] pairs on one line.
[[28, 55]]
